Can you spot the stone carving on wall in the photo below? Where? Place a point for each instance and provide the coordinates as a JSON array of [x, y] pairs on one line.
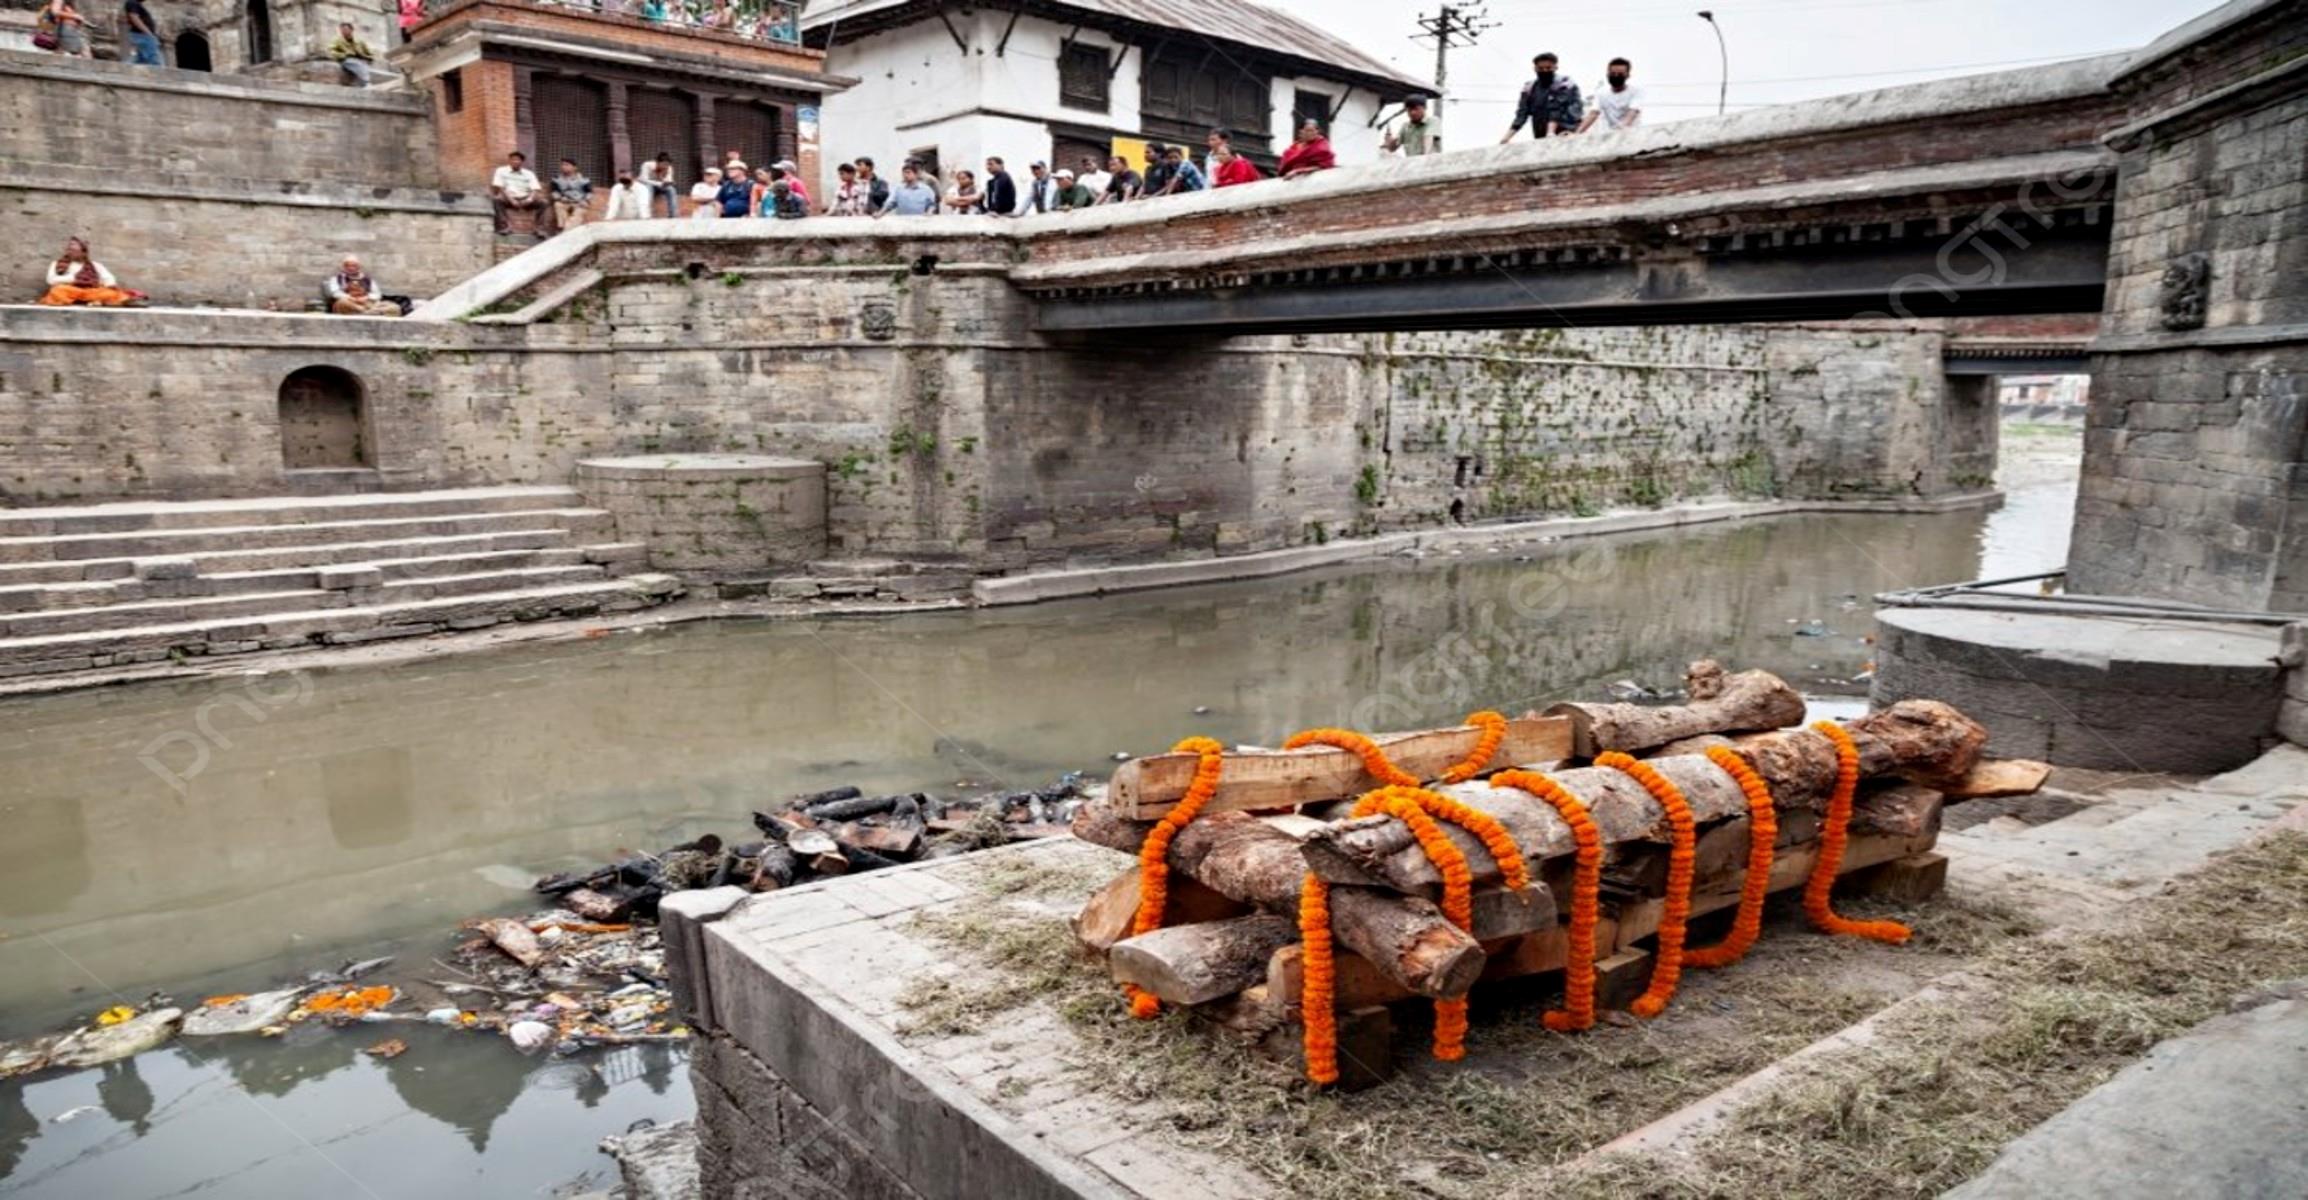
[[879, 320], [2183, 298]]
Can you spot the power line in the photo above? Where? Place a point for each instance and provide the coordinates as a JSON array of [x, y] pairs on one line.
[[2009, 62], [1453, 26]]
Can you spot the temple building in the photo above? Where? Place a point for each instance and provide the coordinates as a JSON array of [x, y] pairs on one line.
[[950, 84]]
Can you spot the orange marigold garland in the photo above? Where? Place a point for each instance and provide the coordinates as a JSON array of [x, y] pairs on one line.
[[1374, 760], [1667, 965], [1762, 836], [1494, 731], [1154, 855], [1578, 1011], [1832, 839], [1417, 808], [1318, 996]]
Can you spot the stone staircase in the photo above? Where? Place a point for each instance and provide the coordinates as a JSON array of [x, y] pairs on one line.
[[116, 585]]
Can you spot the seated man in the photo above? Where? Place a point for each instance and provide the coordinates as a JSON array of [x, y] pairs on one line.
[[783, 202], [352, 54], [353, 293], [572, 197], [705, 195], [515, 186], [76, 278]]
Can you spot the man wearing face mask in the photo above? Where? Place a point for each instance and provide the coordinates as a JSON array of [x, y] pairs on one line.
[[1618, 104], [1550, 103]]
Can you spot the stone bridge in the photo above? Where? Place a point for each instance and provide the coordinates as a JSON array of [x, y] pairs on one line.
[[1983, 195]]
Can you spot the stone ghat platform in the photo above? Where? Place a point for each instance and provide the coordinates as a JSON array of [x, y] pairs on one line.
[[821, 1073], [2106, 689]]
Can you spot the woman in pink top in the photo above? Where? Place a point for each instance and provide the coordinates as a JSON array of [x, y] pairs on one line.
[[412, 15]]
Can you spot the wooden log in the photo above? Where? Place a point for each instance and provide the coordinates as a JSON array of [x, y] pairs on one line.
[[512, 937], [891, 841], [1240, 856], [1913, 737], [1910, 880], [594, 906], [1719, 703], [775, 867], [1191, 964], [2000, 777], [1620, 977], [1107, 916], [1365, 1047], [1146, 788]]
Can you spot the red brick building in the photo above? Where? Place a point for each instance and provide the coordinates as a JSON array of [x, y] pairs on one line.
[[613, 89]]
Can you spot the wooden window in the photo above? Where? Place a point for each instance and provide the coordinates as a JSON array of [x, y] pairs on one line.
[[1085, 74], [663, 122], [750, 129], [1188, 92], [1310, 106], [572, 118], [453, 89]]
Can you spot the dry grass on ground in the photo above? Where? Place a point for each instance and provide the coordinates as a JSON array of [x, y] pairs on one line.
[[1929, 1103], [1523, 1102]]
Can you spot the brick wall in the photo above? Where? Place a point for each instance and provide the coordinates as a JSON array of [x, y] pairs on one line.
[[2193, 484]]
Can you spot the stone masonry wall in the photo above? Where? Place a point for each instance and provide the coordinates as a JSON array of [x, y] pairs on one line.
[[2193, 487], [949, 432], [212, 190], [144, 119]]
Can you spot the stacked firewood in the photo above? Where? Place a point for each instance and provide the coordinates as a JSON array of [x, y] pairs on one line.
[[1229, 942]]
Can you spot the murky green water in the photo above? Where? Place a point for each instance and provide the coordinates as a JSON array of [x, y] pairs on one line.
[[218, 836]]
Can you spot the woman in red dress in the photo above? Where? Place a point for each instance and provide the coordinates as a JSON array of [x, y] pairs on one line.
[[1308, 154]]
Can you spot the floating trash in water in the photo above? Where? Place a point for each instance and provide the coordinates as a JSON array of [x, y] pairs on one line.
[[73, 1114]]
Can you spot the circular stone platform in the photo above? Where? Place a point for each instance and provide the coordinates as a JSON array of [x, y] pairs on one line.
[[2113, 693]]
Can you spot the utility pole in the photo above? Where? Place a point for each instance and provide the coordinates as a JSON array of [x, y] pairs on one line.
[[1454, 25]]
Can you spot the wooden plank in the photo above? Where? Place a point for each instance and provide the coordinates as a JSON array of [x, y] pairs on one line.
[[1789, 869], [1147, 787], [2000, 777]]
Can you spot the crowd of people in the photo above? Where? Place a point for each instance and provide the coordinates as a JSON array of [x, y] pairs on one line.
[[1550, 105]]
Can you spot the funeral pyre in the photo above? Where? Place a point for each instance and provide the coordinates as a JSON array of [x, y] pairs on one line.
[[1292, 895]]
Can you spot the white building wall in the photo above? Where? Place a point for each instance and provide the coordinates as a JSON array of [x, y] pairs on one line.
[[1352, 137], [918, 89]]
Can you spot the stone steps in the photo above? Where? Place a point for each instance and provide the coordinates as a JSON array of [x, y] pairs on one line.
[[117, 585], [232, 562], [277, 510], [586, 523], [59, 653]]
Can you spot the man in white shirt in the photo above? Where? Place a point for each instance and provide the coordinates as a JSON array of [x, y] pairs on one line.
[[1094, 175], [657, 176], [514, 186], [1617, 104], [705, 195], [629, 200]]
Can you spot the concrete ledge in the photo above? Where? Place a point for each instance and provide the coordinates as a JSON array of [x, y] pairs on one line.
[[1093, 581]]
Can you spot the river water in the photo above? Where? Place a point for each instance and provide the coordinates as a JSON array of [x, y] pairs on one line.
[[218, 836]]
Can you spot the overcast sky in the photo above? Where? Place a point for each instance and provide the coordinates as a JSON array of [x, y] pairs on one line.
[[1780, 50]]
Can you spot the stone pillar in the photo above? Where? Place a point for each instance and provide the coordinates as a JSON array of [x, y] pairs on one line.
[[1970, 433], [2194, 487]]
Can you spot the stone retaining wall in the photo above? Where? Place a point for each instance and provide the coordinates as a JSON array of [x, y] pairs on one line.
[[949, 432], [710, 516]]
